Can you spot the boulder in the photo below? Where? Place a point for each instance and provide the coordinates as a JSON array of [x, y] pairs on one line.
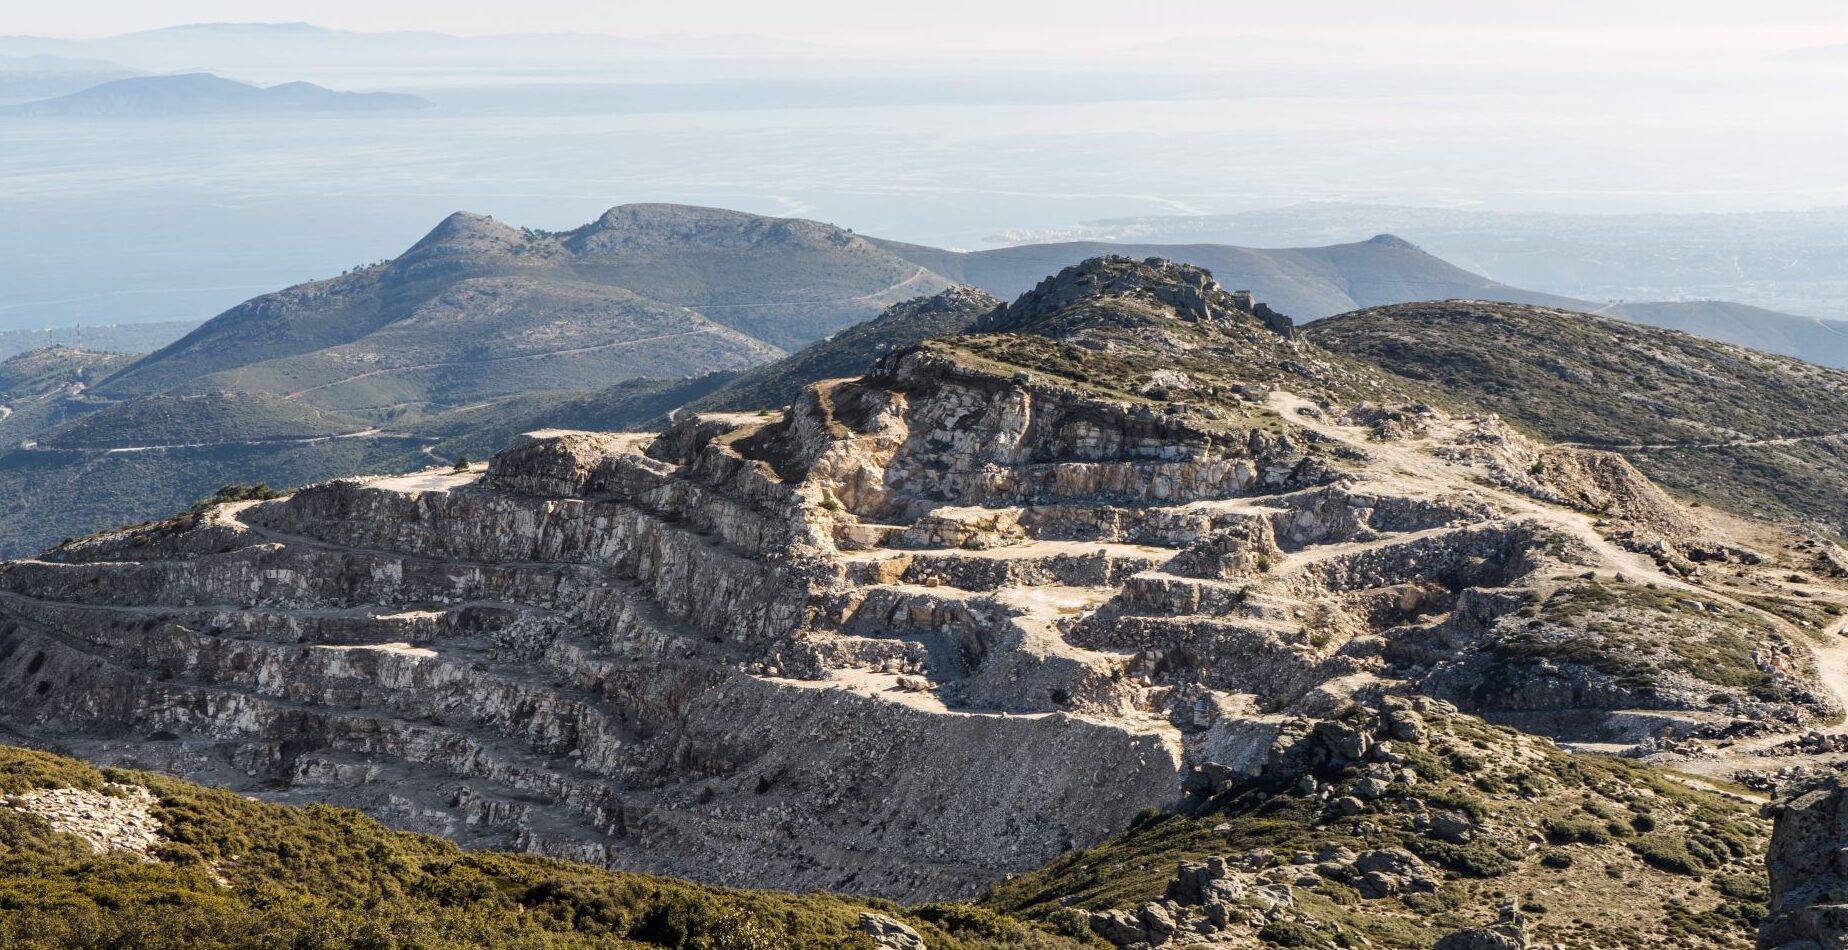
[[889, 934]]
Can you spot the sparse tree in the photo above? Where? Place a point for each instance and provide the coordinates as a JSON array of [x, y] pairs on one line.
[[461, 463]]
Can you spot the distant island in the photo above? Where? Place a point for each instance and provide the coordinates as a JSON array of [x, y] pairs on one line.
[[206, 94]]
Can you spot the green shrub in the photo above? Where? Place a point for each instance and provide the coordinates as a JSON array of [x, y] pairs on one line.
[[1476, 859], [1668, 853], [1576, 831], [237, 873]]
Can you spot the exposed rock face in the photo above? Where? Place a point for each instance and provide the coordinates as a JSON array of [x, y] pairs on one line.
[[1507, 933], [1809, 869], [118, 818], [889, 934], [923, 629], [851, 351]]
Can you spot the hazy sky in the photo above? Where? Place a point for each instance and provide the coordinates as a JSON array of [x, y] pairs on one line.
[[1647, 27]]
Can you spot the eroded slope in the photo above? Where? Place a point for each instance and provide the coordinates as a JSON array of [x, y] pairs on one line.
[[1733, 427]]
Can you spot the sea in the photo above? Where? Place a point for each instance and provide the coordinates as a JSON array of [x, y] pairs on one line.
[[166, 218]]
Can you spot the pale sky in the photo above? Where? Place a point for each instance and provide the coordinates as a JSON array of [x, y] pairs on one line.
[[1647, 27]]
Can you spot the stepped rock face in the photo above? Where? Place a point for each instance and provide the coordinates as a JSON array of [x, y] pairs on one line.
[[1809, 877], [920, 630]]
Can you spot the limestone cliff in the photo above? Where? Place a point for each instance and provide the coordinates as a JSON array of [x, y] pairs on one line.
[[1809, 873]]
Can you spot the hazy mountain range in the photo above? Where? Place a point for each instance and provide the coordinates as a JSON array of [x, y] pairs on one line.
[[1789, 261], [282, 45], [114, 338], [206, 94]]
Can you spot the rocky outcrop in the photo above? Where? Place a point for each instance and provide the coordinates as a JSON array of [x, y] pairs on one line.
[[1809, 870], [115, 819], [1509, 932], [889, 934], [850, 352]]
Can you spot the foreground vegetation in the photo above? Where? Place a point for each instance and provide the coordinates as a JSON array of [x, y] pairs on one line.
[[232, 872]]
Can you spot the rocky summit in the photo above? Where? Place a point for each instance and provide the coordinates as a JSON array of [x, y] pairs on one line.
[[1126, 544]]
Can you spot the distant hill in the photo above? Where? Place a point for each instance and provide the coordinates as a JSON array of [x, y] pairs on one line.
[[787, 281], [1306, 283], [853, 350], [305, 46], [1792, 264], [488, 337], [1808, 338], [1719, 423], [206, 94], [43, 388], [37, 372], [1316, 282], [210, 419], [752, 284], [112, 338]]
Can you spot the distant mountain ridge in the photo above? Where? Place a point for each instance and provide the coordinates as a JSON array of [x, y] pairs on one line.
[[1809, 338], [476, 327], [482, 329], [269, 46], [1792, 266], [1306, 283], [745, 284], [207, 94], [1315, 282], [112, 338], [853, 350]]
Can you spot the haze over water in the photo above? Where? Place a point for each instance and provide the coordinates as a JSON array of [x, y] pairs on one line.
[[139, 220]]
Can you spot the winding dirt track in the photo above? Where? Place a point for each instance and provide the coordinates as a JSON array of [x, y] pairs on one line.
[[1829, 649], [922, 273], [1720, 444], [414, 367]]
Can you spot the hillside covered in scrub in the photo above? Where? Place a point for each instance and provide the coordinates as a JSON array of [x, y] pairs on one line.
[[114, 858], [1744, 430]]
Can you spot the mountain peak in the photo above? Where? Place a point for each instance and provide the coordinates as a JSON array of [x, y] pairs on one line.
[[959, 297], [1146, 291], [644, 224], [467, 228], [1392, 240]]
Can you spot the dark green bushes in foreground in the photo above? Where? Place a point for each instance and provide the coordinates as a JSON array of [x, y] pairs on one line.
[[239, 873]]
